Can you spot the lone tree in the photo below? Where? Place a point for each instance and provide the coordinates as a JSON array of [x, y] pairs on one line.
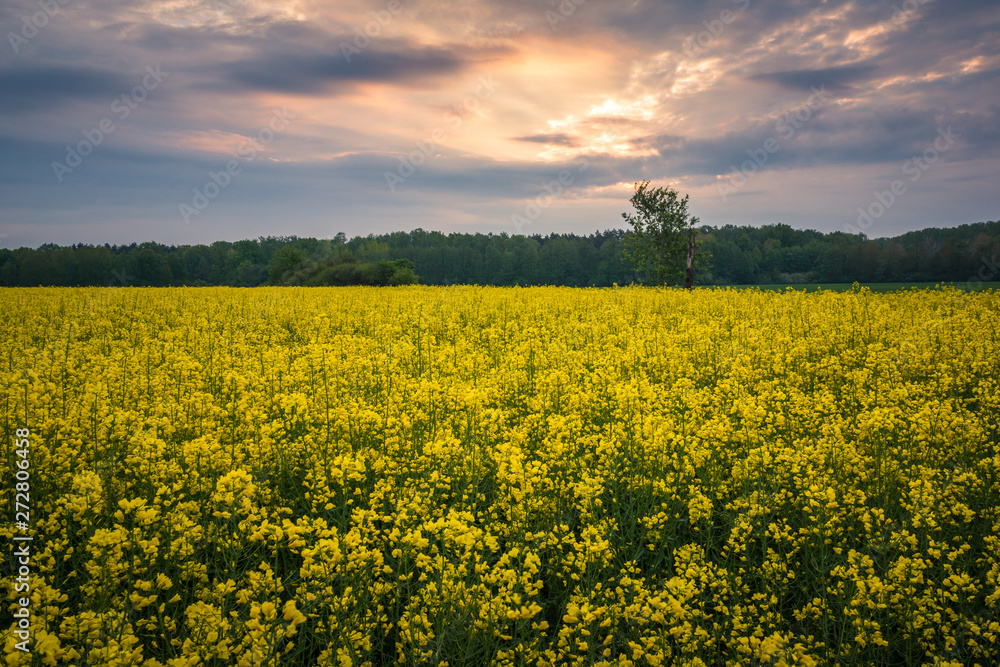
[[663, 239]]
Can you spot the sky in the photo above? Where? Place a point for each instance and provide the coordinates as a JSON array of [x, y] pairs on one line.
[[192, 121]]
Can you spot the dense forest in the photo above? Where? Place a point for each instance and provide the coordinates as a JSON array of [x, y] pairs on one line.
[[736, 256]]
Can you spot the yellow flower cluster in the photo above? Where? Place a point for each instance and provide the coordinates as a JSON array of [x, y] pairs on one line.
[[497, 476]]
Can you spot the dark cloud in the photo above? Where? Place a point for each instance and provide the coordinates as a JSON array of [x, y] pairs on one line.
[[830, 137], [314, 73], [964, 9], [834, 78], [981, 131], [302, 59], [255, 34], [557, 139], [40, 86]]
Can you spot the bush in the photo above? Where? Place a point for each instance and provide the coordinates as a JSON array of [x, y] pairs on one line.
[[403, 277]]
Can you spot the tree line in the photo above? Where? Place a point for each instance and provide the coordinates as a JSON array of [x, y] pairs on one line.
[[733, 255]]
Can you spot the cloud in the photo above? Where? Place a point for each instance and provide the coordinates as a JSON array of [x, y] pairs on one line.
[[39, 86], [304, 74], [558, 139], [612, 83], [834, 78], [834, 137]]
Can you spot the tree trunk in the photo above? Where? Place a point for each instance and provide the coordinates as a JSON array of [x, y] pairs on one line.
[[689, 277]]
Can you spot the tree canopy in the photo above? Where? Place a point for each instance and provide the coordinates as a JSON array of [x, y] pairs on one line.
[[663, 238], [735, 255]]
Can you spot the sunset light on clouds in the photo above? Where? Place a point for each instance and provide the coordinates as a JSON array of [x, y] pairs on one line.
[[310, 118]]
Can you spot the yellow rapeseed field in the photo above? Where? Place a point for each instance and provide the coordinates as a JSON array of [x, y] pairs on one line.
[[504, 476]]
